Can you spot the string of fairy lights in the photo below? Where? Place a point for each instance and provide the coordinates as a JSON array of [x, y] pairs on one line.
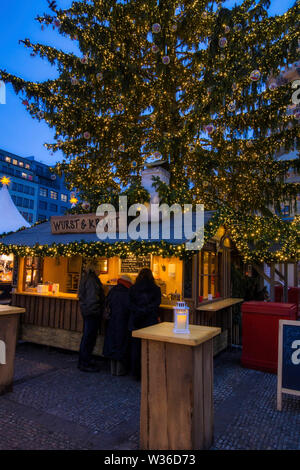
[[191, 83], [257, 246]]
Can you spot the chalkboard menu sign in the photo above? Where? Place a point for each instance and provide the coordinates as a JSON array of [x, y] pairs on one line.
[[133, 264], [288, 377]]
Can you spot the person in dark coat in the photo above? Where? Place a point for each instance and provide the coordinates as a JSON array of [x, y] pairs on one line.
[[117, 337], [145, 299], [91, 302]]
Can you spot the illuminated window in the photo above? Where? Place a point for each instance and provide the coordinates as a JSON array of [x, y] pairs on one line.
[[64, 197], [15, 162], [44, 192], [8, 159], [53, 195]]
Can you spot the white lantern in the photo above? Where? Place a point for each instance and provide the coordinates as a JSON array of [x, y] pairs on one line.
[[181, 318]]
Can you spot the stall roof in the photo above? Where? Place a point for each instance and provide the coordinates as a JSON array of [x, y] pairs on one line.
[[41, 234]]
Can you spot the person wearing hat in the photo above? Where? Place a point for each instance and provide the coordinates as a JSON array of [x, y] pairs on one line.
[[91, 301], [117, 337]]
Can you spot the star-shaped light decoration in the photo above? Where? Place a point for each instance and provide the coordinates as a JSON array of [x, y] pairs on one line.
[[73, 201], [5, 180]]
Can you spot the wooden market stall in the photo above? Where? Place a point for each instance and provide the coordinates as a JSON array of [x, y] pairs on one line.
[[50, 257]]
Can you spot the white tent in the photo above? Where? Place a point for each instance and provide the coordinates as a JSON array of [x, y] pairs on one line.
[[10, 217]]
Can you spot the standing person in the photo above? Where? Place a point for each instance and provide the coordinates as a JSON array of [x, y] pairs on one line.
[[117, 337], [145, 298], [91, 301]]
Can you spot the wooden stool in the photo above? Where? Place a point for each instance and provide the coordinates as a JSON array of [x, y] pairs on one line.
[[177, 387]]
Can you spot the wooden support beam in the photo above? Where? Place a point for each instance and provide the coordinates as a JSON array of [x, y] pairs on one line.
[[279, 274], [262, 273]]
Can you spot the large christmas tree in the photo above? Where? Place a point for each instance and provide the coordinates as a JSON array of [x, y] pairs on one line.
[[188, 82]]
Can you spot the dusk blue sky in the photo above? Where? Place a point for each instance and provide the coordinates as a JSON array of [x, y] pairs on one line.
[[19, 133]]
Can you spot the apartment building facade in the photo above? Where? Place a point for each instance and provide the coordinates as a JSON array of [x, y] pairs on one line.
[[36, 191]]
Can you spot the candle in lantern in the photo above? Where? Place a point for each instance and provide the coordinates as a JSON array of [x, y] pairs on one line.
[[181, 322], [181, 318]]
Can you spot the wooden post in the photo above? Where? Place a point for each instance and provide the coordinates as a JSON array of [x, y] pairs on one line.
[[177, 388], [9, 318]]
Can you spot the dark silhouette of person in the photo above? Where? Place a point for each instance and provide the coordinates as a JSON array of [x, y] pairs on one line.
[[145, 299], [117, 336], [91, 301]]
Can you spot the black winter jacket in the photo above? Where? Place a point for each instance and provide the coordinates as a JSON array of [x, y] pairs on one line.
[[145, 298], [117, 336], [91, 295]]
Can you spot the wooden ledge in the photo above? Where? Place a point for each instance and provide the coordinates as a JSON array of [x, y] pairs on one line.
[[9, 310], [219, 305]]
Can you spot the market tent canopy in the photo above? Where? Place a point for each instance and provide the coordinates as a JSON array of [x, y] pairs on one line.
[[10, 219]]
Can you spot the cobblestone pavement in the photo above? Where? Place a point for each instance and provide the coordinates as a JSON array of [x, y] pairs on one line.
[[55, 406]]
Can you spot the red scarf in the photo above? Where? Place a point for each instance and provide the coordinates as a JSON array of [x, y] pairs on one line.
[[125, 283]]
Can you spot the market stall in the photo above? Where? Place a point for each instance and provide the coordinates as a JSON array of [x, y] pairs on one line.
[[12, 221], [50, 265]]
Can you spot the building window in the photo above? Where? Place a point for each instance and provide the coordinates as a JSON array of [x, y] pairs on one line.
[[21, 164], [19, 201], [27, 166], [43, 205], [8, 159], [53, 207], [14, 186], [53, 195], [42, 217], [64, 197], [15, 162], [44, 192], [63, 209], [31, 203], [20, 188], [26, 203], [24, 175]]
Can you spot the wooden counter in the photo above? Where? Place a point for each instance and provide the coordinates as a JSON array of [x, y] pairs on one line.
[[59, 295], [177, 388], [52, 320], [218, 313], [9, 310]]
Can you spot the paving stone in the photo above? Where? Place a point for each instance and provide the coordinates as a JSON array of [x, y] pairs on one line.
[[55, 406]]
